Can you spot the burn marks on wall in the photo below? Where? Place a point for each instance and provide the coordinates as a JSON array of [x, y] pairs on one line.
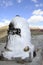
[[12, 30]]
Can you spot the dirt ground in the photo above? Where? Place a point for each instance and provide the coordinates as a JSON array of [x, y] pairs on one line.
[[37, 40]]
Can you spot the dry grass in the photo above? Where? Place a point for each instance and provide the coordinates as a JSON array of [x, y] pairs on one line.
[[3, 32], [37, 31]]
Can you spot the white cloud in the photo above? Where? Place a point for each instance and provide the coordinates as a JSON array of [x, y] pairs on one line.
[[35, 1], [36, 20], [36, 26], [4, 22], [39, 5], [19, 1], [38, 12], [6, 3]]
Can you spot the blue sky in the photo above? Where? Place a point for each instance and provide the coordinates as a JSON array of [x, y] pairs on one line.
[[32, 10]]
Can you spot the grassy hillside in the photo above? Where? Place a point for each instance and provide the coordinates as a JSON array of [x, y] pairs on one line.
[[3, 32], [34, 31], [37, 31]]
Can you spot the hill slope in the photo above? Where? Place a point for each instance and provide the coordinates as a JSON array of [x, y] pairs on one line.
[[34, 31], [3, 31]]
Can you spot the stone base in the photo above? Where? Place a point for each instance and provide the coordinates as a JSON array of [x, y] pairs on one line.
[[2, 58], [18, 59]]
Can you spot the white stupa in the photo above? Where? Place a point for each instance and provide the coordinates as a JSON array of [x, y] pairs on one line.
[[19, 40]]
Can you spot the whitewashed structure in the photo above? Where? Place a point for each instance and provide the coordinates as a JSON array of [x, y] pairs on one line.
[[19, 40]]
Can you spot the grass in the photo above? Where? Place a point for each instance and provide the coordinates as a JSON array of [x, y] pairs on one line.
[[36, 31], [3, 33]]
